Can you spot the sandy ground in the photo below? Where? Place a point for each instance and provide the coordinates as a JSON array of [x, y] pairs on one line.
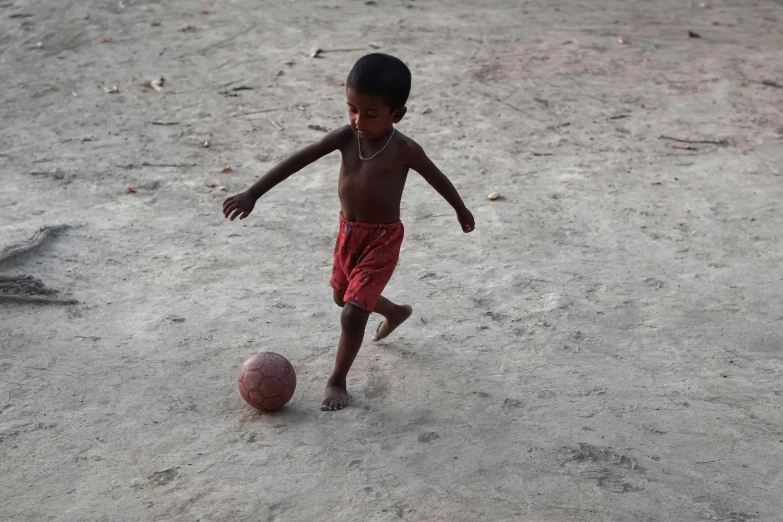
[[605, 346]]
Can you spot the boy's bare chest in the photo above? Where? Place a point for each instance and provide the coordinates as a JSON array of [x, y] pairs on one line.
[[380, 173]]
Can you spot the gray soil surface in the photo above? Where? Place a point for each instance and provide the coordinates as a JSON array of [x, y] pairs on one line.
[[606, 346]]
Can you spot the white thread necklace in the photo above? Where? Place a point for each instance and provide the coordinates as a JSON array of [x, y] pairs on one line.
[[359, 139]]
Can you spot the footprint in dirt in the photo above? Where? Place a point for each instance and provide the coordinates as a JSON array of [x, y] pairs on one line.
[[26, 288]]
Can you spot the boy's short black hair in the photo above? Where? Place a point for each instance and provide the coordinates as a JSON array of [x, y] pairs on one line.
[[379, 74]]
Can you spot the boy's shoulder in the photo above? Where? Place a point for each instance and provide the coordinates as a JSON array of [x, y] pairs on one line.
[[339, 136], [407, 148], [405, 144]]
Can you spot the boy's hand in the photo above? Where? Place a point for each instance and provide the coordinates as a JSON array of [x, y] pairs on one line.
[[466, 220], [239, 205]]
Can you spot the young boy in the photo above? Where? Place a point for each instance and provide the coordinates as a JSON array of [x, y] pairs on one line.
[[375, 162]]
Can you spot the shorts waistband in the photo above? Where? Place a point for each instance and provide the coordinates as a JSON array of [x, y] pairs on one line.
[[369, 226]]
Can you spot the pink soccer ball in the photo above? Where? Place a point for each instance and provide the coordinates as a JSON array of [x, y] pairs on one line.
[[267, 381]]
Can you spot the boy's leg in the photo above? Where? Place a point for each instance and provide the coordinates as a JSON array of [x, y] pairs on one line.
[[394, 315], [353, 320], [337, 295]]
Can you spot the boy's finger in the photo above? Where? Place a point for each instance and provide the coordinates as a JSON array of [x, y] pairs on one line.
[[235, 214]]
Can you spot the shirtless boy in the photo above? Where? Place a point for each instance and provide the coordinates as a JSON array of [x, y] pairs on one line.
[[375, 163]]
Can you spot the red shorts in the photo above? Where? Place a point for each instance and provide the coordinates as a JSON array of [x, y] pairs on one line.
[[364, 260]]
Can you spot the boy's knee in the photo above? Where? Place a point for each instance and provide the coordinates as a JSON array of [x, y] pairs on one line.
[[353, 317], [338, 298]]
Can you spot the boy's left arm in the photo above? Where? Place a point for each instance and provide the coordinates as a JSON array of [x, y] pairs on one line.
[[418, 161]]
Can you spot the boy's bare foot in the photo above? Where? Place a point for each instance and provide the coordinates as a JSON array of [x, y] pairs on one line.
[[336, 395], [392, 321]]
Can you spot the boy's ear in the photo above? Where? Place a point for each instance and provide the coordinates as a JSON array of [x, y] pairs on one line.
[[399, 113]]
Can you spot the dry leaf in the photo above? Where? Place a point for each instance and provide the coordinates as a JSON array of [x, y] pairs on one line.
[[165, 123], [37, 46], [107, 40], [315, 52], [318, 128], [189, 29], [131, 190], [494, 196], [155, 85], [111, 90], [691, 34], [21, 15], [210, 184], [226, 170]]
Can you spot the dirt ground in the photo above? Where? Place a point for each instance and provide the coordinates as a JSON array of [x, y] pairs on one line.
[[606, 346]]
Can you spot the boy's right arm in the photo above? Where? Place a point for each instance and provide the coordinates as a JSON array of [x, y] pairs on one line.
[[241, 205]]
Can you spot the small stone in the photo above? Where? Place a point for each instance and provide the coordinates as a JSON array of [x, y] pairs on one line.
[[494, 196]]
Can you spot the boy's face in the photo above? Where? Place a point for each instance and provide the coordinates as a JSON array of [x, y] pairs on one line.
[[370, 117]]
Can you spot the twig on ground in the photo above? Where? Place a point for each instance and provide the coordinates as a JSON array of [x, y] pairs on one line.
[[722, 142], [255, 112], [162, 165], [38, 299], [771, 83]]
